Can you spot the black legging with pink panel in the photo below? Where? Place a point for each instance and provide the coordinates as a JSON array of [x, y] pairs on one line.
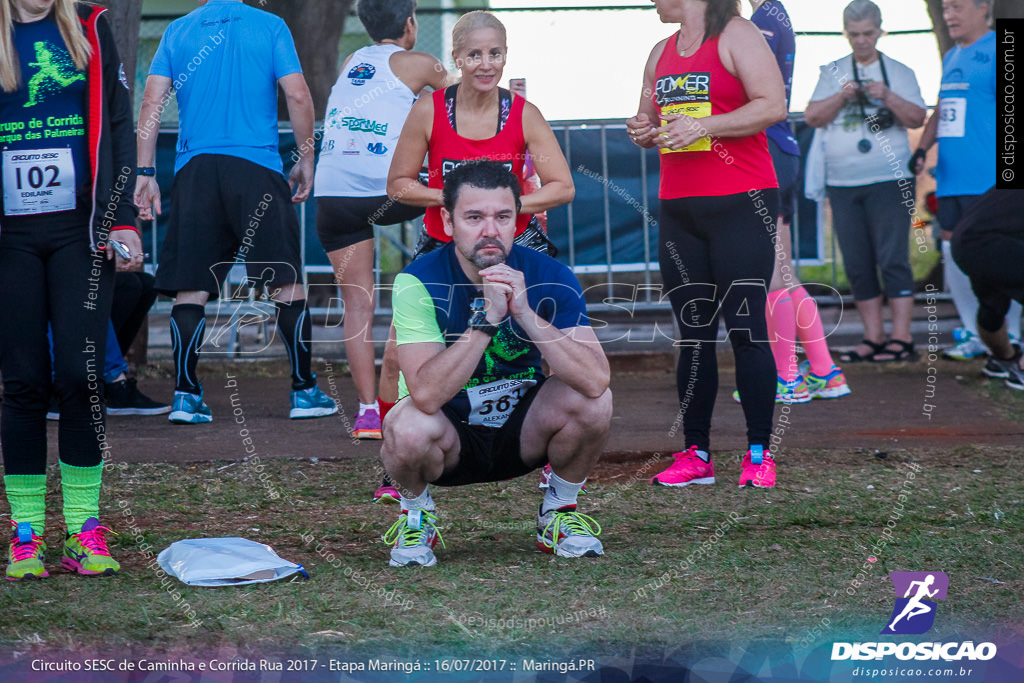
[[716, 256]]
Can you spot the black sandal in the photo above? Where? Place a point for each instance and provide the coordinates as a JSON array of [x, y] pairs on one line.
[[854, 357], [905, 352]]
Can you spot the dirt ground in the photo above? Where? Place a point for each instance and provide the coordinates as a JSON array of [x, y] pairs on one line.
[[887, 411]]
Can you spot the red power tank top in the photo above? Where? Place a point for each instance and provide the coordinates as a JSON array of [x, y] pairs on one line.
[[700, 86], [448, 149]]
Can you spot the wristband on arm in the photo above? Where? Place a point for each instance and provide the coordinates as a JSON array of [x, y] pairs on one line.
[[919, 155]]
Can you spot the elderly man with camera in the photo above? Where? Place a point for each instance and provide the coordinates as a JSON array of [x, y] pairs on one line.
[[865, 102]]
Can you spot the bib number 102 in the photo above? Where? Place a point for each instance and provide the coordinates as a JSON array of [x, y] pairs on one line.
[[36, 177]]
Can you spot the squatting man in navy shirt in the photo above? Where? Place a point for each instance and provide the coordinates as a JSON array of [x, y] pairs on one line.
[[474, 321]]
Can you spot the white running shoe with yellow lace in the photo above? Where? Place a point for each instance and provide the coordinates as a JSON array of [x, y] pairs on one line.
[[413, 538], [568, 533]]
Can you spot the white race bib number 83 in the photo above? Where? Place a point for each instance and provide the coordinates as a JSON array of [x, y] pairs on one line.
[[38, 181], [952, 117]]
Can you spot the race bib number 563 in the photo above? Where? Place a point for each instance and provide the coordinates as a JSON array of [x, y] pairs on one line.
[[38, 181], [490, 405]]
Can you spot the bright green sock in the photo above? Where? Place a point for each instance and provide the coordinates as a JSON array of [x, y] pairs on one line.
[[81, 487], [27, 495]]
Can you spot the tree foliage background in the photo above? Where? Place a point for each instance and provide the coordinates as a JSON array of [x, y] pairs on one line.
[[125, 17]]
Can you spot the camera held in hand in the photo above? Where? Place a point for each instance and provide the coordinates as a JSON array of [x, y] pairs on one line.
[[884, 118]]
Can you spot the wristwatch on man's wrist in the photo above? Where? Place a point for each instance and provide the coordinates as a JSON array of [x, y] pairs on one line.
[[478, 317]]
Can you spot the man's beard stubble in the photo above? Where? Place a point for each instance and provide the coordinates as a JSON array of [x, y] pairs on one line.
[[481, 261]]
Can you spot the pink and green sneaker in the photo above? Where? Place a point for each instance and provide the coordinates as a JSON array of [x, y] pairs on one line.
[[832, 385], [26, 555], [86, 552]]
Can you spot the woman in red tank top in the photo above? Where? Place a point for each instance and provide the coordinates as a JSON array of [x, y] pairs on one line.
[[709, 93], [472, 120]]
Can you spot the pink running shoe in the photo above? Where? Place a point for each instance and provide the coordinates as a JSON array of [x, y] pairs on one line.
[[688, 469], [367, 425], [545, 474], [758, 475], [386, 492]]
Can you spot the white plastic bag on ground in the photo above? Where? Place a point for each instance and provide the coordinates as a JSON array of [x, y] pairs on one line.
[[224, 562]]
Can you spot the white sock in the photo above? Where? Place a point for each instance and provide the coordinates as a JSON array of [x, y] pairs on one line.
[[704, 455], [560, 493], [1013, 320], [363, 407], [420, 502], [959, 285]]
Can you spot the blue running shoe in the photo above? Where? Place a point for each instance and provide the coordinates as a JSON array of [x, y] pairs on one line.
[[189, 409], [832, 385], [794, 391], [968, 346], [312, 402]]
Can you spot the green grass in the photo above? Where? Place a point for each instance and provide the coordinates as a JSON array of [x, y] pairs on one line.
[[780, 569]]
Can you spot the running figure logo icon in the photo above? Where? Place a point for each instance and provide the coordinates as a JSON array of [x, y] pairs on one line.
[[916, 593], [53, 65]]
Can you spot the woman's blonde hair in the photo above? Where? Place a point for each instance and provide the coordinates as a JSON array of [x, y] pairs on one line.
[[70, 30], [471, 21]]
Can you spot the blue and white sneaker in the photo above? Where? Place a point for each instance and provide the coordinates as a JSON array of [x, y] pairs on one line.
[[312, 402], [968, 346], [189, 409], [832, 385], [794, 391]]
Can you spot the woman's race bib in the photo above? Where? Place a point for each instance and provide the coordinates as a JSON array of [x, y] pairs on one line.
[[38, 181]]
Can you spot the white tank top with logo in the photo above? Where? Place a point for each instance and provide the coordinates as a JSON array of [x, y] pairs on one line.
[[365, 114]]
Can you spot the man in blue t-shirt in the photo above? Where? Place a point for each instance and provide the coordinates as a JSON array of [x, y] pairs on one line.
[[474, 321], [964, 125], [230, 202]]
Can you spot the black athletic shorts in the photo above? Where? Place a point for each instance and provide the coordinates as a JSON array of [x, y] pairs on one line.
[[344, 221], [224, 210], [787, 170], [488, 454], [988, 245]]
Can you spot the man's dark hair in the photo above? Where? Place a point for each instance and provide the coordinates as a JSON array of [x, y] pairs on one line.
[[484, 175], [385, 19]]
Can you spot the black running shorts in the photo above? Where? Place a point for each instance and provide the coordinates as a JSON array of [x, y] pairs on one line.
[[224, 210], [488, 454], [344, 221]]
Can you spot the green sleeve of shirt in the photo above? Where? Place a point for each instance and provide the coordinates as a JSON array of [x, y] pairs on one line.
[[414, 318]]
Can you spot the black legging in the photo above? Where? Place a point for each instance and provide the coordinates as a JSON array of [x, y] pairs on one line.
[[133, 297], [717, 253], [50, 275]]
